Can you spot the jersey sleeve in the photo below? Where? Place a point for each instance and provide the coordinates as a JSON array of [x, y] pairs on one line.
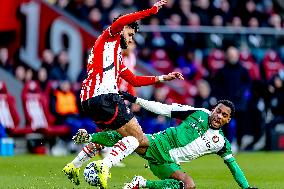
[[135, 80], [155, 107], [229, 160], [183, 111], [174, 110], [122, 21]]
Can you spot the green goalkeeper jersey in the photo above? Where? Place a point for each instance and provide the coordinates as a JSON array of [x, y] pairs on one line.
[[191, 139]]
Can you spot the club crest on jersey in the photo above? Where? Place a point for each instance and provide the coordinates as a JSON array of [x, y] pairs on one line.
[[215, 139]]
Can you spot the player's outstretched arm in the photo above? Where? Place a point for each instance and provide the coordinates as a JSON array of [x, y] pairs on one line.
[[238, 174], [171, 76], [138, 81], [122, 21], [152, 106]]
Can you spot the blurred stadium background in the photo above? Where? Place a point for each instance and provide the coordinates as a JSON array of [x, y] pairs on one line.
[[225, 49]]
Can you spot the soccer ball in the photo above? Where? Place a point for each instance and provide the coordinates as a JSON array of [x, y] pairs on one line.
[[90, 175]]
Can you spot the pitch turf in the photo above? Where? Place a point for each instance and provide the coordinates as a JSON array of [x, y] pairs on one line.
[[264, 170]]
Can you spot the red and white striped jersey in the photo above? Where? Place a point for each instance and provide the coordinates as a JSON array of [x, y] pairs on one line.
[[105, 62]]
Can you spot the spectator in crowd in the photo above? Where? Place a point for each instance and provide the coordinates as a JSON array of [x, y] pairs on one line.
[[106, 6], [155, 39], [194, 40], [251, 11], [225, 11], [5, 63], [20, 73], [203, 10], [95, 17], [256, 108], [29, 76], [233, 82], [184, 9], [276, 104], [60, 68], [175, 40], [47, 60], [204, 98], [88, 6], [64, 108], [42, 77], [64, 102], [275, 21], [215, 40], [187, 64], [236, 22]]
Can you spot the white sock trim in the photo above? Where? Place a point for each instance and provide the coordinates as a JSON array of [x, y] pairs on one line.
[[84, 156]]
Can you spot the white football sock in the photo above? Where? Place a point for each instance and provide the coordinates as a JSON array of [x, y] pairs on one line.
[[120, 150], [84, 156]]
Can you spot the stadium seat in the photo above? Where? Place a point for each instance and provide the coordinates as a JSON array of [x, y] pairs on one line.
[[271, 64], [37, 112], [9, 116], [216, 60], [249, 63]]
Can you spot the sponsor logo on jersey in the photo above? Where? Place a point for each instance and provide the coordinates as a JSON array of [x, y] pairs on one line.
[[215, 139]]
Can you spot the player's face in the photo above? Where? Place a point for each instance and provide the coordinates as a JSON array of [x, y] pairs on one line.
[[220, 116], [127, 37]]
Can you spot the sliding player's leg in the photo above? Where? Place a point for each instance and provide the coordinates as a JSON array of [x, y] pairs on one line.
[[72, 169], [132, 137], [108, 138], [171, 175]]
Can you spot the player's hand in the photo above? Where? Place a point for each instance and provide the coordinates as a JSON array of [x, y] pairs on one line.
[[127, 96], [81, 137], [172, 76], [160, 4]]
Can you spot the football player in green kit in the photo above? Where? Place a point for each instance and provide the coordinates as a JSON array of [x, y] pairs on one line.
[[199, 134]]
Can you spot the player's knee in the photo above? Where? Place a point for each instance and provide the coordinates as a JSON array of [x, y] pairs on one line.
[[132, 140]]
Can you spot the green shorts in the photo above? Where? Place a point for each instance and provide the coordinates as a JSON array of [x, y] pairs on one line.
[[159, 161], [164, 171]]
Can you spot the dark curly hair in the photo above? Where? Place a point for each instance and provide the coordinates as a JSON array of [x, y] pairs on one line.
[[133, 25], [229, 104]]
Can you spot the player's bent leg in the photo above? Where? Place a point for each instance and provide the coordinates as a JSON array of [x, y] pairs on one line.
[[132, 128], [72, 170], [119, 151], [186, 179]]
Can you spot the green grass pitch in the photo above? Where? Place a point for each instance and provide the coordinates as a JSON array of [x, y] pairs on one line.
[[264, 170]]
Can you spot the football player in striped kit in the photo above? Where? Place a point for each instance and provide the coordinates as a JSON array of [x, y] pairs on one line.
[[100, 99]]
